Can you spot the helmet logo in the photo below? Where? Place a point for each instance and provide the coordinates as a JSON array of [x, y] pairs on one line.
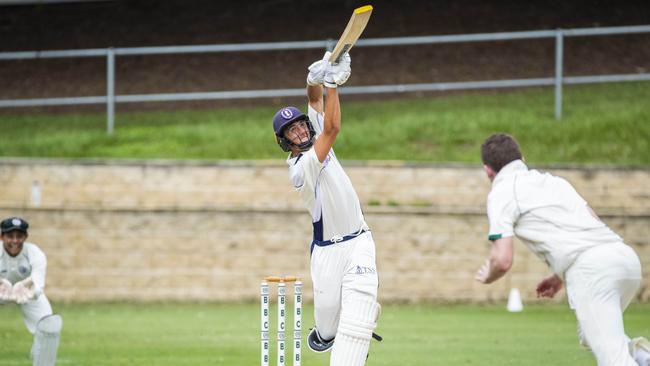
[[16, 222], [286, 113]]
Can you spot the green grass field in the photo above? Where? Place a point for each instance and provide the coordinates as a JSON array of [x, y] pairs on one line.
[[221, 334], [603, 124]]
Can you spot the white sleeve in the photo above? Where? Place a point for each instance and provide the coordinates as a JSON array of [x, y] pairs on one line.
[[317, 119], [502, 214], [38, 262], [305, 170]]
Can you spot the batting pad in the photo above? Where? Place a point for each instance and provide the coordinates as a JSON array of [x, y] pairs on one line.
[[358, 320], [46, 340]]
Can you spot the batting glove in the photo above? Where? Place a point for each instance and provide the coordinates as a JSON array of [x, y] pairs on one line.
[[5, 290], [338, 74], [317, 70]]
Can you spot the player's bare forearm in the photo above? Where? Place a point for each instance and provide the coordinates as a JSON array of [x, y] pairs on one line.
[[331, 125], [499, 262], [315, 97], [490, 271]]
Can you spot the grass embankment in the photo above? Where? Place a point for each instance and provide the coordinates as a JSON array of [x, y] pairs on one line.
[[602, 124]]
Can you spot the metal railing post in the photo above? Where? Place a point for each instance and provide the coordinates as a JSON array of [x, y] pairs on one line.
[[110, 91], [559, 40]]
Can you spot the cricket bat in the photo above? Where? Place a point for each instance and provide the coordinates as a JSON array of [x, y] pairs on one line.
[[351, 34]]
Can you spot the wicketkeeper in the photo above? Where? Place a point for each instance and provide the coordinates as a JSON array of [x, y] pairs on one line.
[[601, 272], [22, 280], [343, 267]]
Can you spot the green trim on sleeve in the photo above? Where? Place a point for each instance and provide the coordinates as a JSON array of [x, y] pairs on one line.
[[494, 237]]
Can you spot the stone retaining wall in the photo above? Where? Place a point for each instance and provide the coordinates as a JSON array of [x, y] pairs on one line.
[[209, 231]]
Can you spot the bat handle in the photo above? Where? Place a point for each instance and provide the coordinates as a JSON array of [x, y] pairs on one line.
[[336, 60]]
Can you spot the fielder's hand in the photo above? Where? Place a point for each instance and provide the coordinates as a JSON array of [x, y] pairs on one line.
[[338, 74], [483, 272], [5, 290], [549, 286], [23, 291], [317, 70]]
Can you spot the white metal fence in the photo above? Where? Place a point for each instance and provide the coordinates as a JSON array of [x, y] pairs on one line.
[[110, 53]]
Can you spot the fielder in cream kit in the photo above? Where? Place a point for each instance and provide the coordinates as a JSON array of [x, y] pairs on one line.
[[343, 269], [601, 272], [22, 280]]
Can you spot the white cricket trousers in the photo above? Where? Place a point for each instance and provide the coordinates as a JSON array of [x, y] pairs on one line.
[[600, 285], [33, 311], [341, 273]]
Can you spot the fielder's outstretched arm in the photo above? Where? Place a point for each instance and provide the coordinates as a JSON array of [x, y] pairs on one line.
[[331, 125]]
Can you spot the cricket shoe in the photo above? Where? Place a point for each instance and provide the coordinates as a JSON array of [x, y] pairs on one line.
[[318, 344], [640, 350]]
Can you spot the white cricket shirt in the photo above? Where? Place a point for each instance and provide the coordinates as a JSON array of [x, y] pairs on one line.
[[326, 190], [546, 213], [30, 261]]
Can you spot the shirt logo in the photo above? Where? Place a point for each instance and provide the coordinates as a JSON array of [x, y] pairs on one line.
[[23, 270], [365, 270], [286, 113]]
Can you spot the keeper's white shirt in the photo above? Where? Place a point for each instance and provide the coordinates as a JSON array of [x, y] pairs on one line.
[[546, 213], [30, 261], [326, 190]]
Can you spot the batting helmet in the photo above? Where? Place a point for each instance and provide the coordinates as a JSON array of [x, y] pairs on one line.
[[283, 119]]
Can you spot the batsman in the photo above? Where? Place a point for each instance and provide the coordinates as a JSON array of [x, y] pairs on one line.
[[343, 269]]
